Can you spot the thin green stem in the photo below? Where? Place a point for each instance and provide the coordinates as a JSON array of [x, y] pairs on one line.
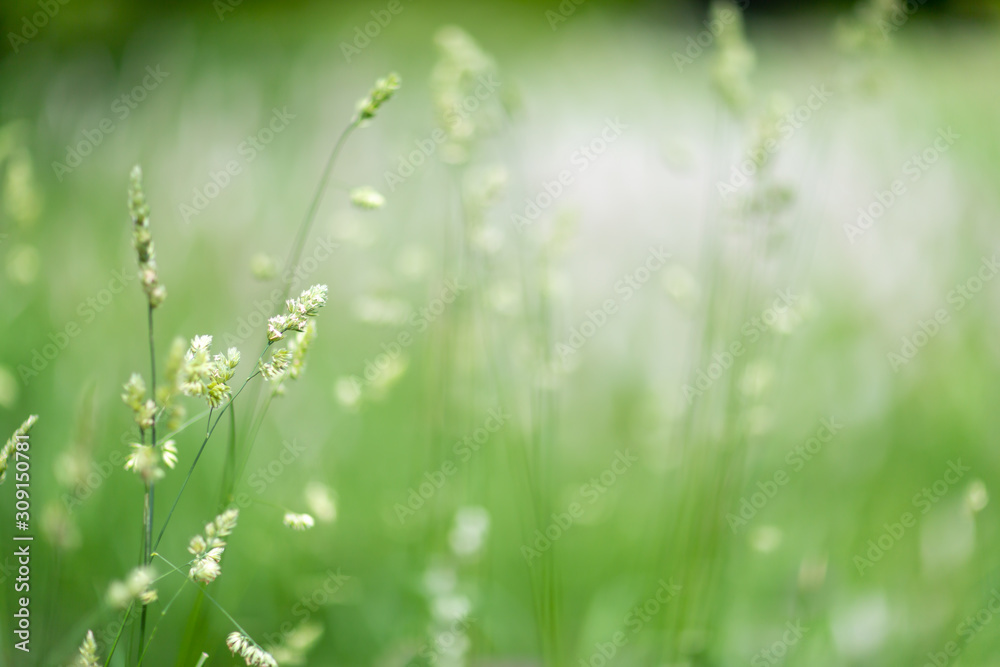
[[163, 613], [303, 232], [184, 426], [147, 518], [229, 472], [212, 600], [295, 253], [201, 449], [111, 651], [252, 438]]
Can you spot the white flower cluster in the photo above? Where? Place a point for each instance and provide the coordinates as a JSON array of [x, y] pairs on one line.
[[254, 655], [299, 310], [275, 368], [367, 197], [88, 652], [8, 448], [207, 376], [145, 460], [297, 347], [298, 521], [135, 587], [208, 550]]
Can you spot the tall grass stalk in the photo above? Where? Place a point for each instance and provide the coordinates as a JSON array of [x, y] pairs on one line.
[[197, 373]]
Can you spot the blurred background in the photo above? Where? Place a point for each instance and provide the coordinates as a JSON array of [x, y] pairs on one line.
[[673, 343]]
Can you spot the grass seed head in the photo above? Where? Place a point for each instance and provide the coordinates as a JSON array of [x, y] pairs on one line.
[[8, 449], [88, 652], [380, 94]]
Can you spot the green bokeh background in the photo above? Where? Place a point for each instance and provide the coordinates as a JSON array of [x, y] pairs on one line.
[[63, 241]]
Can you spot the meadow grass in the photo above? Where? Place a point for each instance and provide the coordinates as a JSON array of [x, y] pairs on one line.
[[466, 494]]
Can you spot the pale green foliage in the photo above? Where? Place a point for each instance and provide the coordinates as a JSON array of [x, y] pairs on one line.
[[735, 58], [869, 28], [457, 82]]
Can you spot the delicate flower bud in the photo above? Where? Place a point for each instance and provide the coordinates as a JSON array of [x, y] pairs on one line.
[[208, 550], [88, 652], [298, 521], [366, 197], [380, 94], [143, 240], [136, 587], [8, 449]]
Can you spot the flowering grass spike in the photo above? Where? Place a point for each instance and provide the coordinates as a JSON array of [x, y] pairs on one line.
[[381, 93], [11, 445], [143, 240], [252, 654], [88, 652], [208, 550]]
